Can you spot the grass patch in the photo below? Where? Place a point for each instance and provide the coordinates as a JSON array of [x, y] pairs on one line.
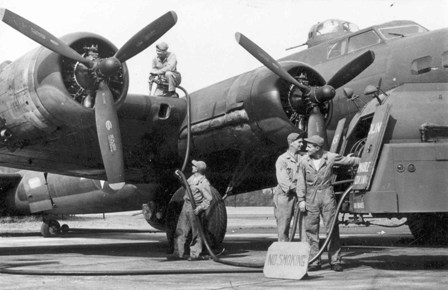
[[38, 218], [19, 219]]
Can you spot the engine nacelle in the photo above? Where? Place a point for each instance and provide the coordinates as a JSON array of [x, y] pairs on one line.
[[44, 94], [252, 109], [29, 192], [270, 104]]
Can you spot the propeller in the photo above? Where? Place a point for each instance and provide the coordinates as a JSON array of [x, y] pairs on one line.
[[109, 136], [316, 95], [107, 125], [352, 69], [266, 59], [41, 36]]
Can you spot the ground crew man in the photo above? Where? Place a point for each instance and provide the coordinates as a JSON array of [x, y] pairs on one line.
[[200, 188], [285, 192], [316, 197], [164, 65]]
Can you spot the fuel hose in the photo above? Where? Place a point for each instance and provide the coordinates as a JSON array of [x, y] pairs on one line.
[[298, 216], [10, 269], [202, 234], [249, 267], [333, 224]]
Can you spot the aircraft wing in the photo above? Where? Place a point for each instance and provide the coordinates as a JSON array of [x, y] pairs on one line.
[[8, 180]]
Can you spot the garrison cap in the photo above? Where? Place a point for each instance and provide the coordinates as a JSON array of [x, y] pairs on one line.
[[162, 46], [200, 165], [293, 137], [315, 139]]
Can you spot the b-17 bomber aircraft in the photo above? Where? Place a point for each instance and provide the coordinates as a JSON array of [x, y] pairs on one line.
[[379, 92]]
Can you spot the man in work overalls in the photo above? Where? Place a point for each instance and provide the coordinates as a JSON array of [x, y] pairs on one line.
[[316, 197], [200, 188], [285, 192]]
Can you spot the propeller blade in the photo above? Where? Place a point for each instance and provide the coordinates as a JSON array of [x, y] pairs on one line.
[[316, 125], [41, 36], [109, 136], [146, 36], [266, 59], [352, 69]]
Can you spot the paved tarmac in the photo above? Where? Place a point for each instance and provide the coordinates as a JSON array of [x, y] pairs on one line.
[[102, 257]]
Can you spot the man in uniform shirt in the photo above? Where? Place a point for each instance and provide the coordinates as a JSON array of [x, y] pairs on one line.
[[285, 192], [200, 188], [316, 197], [165, 66]]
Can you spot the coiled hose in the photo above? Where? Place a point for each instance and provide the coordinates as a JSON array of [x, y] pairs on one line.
[[201, 230], [256, 267], [8, 269], [297, 215]]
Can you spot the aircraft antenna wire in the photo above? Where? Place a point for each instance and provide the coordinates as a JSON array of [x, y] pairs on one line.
[[240, 173]]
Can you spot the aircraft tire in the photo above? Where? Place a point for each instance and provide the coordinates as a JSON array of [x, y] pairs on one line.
[[50, 228], [214, 220], [45, 230], [65, 229], [429, 228]]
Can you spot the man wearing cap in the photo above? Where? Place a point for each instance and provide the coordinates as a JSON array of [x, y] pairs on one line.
[[165, 66], [285, 191], [200, 188], [316, 196]]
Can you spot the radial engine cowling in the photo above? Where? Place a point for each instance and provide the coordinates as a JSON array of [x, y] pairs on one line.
[[273, 101], [45, 93]]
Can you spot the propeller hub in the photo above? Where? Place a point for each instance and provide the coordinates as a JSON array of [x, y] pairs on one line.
[[322, 94], [109, 66]]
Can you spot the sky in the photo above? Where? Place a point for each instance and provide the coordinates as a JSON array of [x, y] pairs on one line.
[[204, 37]]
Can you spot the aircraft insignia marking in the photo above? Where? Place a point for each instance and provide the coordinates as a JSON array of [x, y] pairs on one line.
[[108, 125], [112, 145]]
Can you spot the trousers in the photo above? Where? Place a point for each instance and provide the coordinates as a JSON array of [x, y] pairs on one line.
[[323, 203], [283, 212], [187, 221], [173, 79]]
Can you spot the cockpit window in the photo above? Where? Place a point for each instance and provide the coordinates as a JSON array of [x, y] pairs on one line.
[[401, 31], [363, 40], [337, 49], [334, 25]]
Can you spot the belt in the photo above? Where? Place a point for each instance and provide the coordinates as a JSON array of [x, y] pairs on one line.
[[318, 187]]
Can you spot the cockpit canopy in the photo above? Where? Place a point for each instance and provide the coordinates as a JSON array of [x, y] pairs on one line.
[[329, 29]]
